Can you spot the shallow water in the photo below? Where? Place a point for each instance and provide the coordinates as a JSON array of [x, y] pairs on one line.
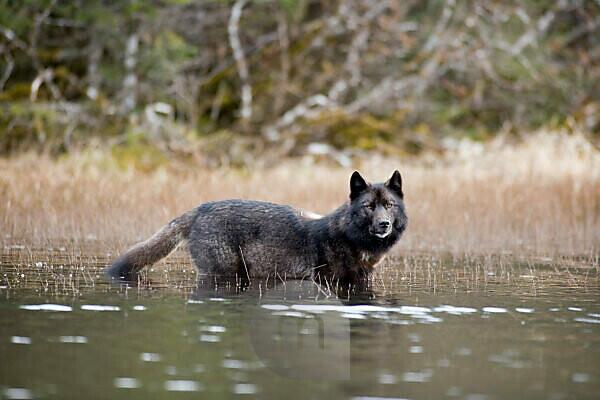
[[487, 329]]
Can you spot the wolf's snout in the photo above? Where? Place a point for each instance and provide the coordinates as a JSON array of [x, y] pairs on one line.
[[384, 224], [381, 228]]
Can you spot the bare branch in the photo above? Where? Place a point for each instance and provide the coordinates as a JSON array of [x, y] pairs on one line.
[[312, 106], [532, 34], [284, 44], [130, 81], [240, 59], [436, 34], [44, 75], [10, 64], [13, 39]]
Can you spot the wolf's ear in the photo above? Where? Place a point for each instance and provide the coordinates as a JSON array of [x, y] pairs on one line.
[[357, 185], [395, 184]]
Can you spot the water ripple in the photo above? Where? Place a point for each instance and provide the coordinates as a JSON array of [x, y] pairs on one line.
[[73, 339], [20, 340], [46, 307], [150, 357], [245, 388], [127, 383], [18, 394], [98, 307], [494, 310], [183, 386]]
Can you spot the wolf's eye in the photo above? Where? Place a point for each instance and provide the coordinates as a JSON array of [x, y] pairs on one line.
[[388, 205], [369, 206]]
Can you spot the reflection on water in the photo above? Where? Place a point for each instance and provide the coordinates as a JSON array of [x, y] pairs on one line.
[[457, 331]]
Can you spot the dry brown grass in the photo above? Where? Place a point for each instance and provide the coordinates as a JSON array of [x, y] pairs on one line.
[[541, 197]]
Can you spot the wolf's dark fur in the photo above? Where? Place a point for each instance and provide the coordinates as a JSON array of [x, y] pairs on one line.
[[252, 238]]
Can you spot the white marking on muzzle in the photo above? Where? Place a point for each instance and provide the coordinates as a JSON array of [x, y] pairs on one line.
[[383, 235]]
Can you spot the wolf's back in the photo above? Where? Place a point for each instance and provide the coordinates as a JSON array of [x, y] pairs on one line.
[[158, 246]]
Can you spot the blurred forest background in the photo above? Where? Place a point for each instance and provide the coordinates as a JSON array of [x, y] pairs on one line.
[[231, 82]]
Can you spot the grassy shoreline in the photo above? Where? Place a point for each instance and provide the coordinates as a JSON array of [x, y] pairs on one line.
[[537, 198]]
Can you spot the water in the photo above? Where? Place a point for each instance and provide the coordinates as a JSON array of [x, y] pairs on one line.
[[425, 329]]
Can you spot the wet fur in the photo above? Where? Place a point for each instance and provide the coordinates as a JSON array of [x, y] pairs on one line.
[[251, 238]]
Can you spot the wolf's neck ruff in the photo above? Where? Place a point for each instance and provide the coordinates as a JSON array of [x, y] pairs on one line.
[[252, 238]]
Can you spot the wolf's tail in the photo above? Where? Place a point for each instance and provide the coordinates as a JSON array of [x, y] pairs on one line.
[[158, 246]]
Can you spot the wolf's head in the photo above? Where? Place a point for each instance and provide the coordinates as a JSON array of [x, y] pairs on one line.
[[377, 210]]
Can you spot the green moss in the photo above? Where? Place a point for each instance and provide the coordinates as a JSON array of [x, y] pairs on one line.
[[24, 125], [362, 131], [138, 153], [17, 91], [46, 126]]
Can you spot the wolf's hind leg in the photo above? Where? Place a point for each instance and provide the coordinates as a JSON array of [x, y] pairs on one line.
[[223, 261], [204, 262]]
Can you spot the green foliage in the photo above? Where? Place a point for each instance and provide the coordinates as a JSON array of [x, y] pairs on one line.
[[460, 66], [137, 152], [164, 55], [295, 9]]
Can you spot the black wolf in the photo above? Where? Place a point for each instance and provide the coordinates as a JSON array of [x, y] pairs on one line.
[[256, 239]]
